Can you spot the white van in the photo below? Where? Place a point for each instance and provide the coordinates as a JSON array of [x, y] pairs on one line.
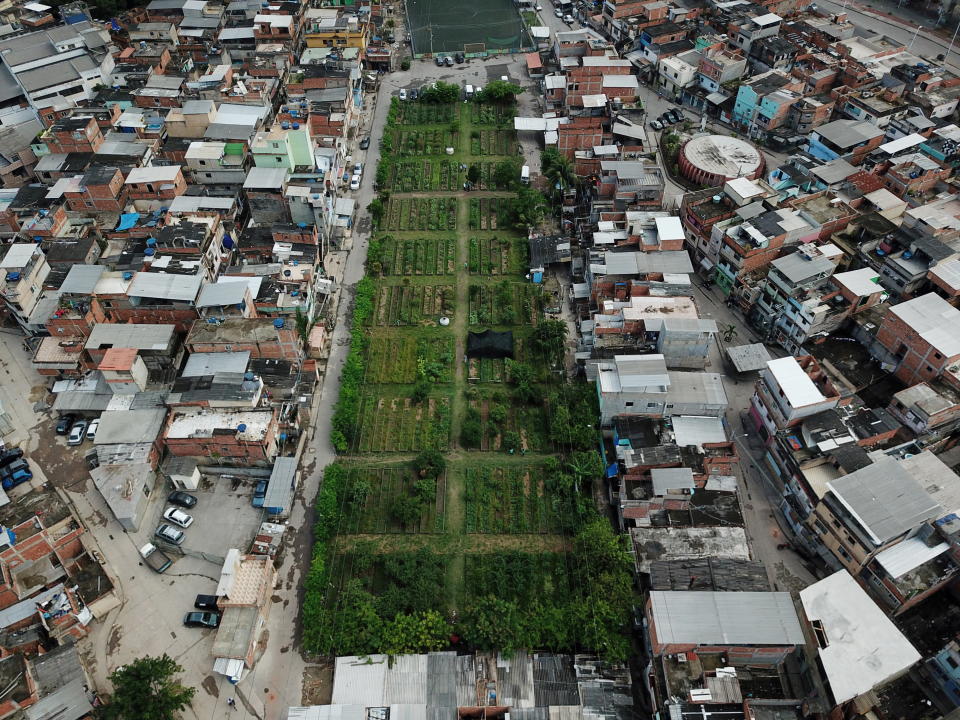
[[525, 174], [468, 91]]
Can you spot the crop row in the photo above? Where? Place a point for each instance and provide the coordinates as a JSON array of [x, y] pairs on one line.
[[413, 304], [421, 214]]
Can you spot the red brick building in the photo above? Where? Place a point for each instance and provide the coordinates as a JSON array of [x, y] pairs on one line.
[[923, 335], [101, 189], [262, 337], [156, 183], [248, 436]]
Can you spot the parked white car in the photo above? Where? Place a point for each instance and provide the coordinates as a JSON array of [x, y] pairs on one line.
[[92, 428], [355, 182], [178, 517], [403, 94]]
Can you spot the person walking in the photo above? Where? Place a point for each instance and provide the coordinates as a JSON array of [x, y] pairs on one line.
[[232, 703]]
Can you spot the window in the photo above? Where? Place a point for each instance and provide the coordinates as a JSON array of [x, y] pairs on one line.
[[277, 158], [951, 662], [629, 404], [651, 405]]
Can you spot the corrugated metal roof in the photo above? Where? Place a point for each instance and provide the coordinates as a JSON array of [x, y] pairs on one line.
[[82, 279], [908, 555], [280, 496], [554, 681], [359, 680], [515, 680], [203, 364], [725, 618], [697, 430], [885, 499], [165, 286]]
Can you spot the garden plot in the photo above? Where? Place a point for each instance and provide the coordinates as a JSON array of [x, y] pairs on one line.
[[494, 370], [494, 255], [526, 577], [421, 214], [419, 256], [509, 500], [506, 303], [503, 422], [422, 175], [491, 213], [416, 143], [397, 424], [401, 581], [374, 495], [493, 142], [415, 113], [499, 115], [413, 304], [396, 359]]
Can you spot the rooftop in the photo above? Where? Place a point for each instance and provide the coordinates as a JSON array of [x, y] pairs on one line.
[[885, 499], [725, 618], [248, 426], [860, 648], [797, 386], [934, 320], [688, 543]]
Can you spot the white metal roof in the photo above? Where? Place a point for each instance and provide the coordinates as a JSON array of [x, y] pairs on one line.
[[900, 144], [595, 101], [862, 282], [162, 173], [725, 618], [669, 228], [18, 256], [797, 386], [165, 285], [909, 555], [697, 430], [933, 319], [667, 479], [863, 648]]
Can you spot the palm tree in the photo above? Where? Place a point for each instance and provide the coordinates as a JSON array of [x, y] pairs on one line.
[[558, 170]]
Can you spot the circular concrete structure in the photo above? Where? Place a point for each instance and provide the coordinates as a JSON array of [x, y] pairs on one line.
[[713, 159]]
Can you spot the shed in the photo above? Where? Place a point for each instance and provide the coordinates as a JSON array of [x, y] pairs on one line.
[[490, 344], [748, 358], [280, 489]]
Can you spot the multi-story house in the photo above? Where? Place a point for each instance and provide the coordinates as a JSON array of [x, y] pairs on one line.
[[763, 102], [879, 524], [789, 390], [678, 71], [851, 140], [24, 269], [922, 338]]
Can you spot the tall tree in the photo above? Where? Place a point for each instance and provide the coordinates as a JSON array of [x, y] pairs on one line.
[[147, 689], [558, 170]]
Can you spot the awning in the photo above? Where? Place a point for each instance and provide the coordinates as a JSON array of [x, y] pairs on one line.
[[706, 264], [230, 667], [715, 98]]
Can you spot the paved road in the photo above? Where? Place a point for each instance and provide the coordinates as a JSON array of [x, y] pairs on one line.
[[902, 28]]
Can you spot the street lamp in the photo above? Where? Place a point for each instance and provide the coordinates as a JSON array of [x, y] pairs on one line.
[[952, 40], [917, 32]]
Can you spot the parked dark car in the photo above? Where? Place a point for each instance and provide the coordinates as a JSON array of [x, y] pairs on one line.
[[13, 467], [259, 493], [365, 143], [8, 456], [202, 619], [181, 498], [666, 119], [414, 95], [10, 482], [439, 61], [676, 115], [205, 602], [460, 57], [65, 423]]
